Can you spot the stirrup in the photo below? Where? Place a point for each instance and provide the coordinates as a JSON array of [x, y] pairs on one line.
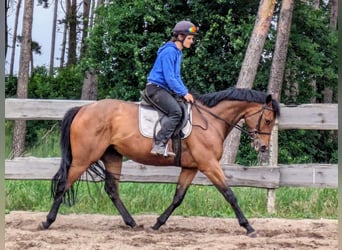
[[162, 151]]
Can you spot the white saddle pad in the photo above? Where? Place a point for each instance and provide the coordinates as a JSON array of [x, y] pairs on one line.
[[148, 116]]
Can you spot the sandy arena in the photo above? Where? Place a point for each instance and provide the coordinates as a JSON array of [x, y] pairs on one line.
[[100, 232]]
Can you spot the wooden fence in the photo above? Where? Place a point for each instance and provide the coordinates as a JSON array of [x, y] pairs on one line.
[[307, 116]]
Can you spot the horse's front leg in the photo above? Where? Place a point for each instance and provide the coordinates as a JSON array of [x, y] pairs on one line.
[[216, 175], [184, 180], [113, 163]]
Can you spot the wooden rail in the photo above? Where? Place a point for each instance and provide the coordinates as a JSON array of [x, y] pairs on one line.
[[303, 175], [305, 116], [308, 116]]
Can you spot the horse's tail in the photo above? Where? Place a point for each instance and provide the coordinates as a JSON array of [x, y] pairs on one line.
[[58, 183]]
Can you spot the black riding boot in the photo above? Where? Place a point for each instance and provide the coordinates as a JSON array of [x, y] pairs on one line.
[[160, 144]]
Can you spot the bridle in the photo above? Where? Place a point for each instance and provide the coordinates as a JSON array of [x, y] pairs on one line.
[[251, 133], [257, 130]]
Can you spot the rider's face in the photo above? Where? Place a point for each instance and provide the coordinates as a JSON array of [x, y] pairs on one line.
[[188, 41]]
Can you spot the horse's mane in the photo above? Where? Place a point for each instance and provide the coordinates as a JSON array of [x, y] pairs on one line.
[[249, 95]]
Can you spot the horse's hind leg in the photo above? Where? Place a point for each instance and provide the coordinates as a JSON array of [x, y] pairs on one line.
[[74, 174], [184, 180], [51, 217], [113, 163]]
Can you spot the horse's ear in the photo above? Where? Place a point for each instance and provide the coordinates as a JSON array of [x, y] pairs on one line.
[[268, 100]]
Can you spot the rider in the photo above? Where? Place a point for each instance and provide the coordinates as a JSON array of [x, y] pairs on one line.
[[165, 83]]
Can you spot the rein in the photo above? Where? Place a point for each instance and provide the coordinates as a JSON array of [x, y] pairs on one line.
[[251, 134], [237, 126]]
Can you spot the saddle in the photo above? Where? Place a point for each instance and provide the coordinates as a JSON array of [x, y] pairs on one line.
[[151, 120]]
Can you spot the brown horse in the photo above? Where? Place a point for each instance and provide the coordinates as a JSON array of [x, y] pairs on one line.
[[107, 130]]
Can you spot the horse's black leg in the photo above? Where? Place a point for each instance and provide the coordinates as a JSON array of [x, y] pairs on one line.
[[51, 217], [113, 163], [111, 187], [184, 180], [216, 175], [230, 197]]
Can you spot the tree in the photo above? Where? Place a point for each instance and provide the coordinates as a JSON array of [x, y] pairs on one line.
[[72, 21], [85, 21], [14, 39], [53, 37], [6, 27], [249, 68], [65, 32], [333, 14], [280, 51], [90, 85], [19, 131]]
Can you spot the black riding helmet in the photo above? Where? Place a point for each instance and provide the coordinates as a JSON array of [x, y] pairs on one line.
[[184, 28]]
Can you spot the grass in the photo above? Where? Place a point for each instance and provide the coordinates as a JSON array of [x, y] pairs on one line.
[[154, 199]]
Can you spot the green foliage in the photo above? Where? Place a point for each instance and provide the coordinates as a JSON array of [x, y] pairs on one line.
[[66, 84], [312, 54], [11, 83], [305, 146], [125, 39]]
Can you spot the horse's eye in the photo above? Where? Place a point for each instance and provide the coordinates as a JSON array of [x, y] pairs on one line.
[[267, 122]]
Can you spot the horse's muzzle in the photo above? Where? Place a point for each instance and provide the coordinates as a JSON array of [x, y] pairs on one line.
[[263, 149], [259, 147]]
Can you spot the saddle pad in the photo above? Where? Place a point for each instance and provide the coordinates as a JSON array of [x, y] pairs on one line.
[[148, 116]]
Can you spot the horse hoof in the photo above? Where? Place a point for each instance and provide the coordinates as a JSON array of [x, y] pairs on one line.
[[41, 226], [252, 234], [156, 227]]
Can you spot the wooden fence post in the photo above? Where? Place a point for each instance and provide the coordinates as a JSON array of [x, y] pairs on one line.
[[273, 162]]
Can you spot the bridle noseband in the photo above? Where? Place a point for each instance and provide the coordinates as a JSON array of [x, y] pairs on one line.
[[252, 133]]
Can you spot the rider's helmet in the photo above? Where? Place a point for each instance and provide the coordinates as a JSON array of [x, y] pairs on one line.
[[185, 28]]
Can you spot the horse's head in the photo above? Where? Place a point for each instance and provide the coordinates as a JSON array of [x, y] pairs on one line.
[[260, 121]]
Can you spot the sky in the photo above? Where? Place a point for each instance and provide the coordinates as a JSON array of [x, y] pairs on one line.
[[41, 33]]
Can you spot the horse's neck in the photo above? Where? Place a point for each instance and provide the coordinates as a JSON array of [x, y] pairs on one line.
[[233, 111]]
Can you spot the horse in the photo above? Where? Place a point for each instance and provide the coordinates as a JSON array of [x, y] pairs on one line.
[[107, 130]]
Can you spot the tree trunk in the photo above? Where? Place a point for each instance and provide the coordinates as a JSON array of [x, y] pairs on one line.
[[65, 32], [18, 145], [14, 41], [90, 83], [31, 60], [316, 4], [278, 67], [333, 14], [86, 10], [249, 68], [53, 38], [72, 20], [328, 93], [280, 52], [92, 10], [6, 26]]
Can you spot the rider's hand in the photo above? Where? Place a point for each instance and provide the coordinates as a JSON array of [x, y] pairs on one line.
[[189, 98]]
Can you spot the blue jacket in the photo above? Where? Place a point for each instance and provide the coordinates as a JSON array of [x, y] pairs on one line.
[[166, 69]]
